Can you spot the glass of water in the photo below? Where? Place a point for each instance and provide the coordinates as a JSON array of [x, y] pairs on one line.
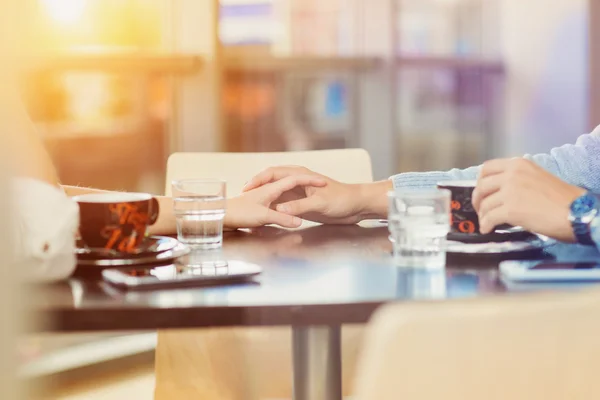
[[419, 222], [199, 206]]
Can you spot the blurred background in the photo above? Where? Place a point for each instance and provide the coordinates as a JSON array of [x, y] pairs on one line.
[[115, 86], [421, 84]]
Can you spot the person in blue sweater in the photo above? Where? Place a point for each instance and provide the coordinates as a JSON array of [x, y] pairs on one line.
[[550, 194]]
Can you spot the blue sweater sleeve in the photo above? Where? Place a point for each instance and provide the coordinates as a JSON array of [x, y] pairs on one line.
[[577, 164]]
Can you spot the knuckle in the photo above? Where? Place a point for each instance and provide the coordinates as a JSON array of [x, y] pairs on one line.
[[288, 180], [520, 164], [514, 165], [512, 176], [291, 207], [267, 171]]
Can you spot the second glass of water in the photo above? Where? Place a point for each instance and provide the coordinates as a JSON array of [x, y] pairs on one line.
[[199, 206], [419, 222]]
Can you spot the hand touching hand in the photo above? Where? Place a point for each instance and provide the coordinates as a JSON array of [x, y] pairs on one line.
[[519, 192], [254, 207], [332, 202]]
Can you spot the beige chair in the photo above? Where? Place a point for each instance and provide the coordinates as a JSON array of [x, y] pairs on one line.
[[347, 165], [530, 347], [250, 363]]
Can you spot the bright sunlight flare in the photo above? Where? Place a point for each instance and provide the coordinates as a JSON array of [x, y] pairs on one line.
[[65, 11]]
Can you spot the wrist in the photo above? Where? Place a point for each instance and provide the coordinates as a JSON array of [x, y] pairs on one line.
[[230, 222], [373, 199]]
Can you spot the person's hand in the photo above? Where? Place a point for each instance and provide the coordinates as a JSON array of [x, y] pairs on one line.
[[519, 192], [254, 208], [331, 203]]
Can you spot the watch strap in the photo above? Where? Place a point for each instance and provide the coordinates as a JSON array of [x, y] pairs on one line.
[[582, 225], [583, 233]]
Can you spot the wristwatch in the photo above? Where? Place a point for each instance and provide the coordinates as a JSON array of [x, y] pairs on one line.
[[584, 211]]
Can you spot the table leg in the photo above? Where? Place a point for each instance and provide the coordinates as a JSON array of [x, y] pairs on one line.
[[317, 362]]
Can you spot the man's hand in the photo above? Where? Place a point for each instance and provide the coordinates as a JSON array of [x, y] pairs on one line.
[[332, 202], [254, 208], [518, 192]]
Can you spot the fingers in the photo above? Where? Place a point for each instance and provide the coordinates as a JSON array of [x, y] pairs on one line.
[[493, 218], [494, 167], [488, 213], [278, 188], [490, 203], [300, 207], [486, 186], [269, 175], [500, 185], [274, 174], [266, 176], [284, 220]]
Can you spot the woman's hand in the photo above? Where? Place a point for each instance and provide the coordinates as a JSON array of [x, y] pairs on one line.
[[255, 207], [330, 203]]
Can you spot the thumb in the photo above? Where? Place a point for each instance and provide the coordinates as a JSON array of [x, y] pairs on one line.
[[299, 207], [284, 220]]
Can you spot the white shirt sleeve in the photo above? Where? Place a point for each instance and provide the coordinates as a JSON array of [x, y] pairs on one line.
[[45, 223]]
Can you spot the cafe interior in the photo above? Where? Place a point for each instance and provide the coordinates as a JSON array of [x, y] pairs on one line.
[[129, 95]]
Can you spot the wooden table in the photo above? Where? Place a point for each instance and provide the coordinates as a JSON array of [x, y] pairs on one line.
[[315, 280]]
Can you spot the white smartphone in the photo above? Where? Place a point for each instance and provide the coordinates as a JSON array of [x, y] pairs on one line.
[[550, 271], [177, 276]]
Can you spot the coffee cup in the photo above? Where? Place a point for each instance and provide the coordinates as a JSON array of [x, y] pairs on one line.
[[464, 217], [116, 221]]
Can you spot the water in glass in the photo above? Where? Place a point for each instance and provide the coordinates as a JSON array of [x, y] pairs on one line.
[[418, 224], [200, 220]]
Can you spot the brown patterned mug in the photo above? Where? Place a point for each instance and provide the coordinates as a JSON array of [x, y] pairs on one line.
[[116, 221]]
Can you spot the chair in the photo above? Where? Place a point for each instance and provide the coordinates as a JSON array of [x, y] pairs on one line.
[[215, 363], [347, 165], [524, 347]]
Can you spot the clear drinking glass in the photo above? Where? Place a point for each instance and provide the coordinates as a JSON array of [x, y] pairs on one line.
[[419, 222], [212, 261], [421, 283], [199, 207]]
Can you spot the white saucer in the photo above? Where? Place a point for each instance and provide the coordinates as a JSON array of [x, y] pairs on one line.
[[538, 243], [156, 250]]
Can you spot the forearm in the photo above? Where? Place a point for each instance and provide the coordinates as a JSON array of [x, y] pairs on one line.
[[427, 180], [577, 164]]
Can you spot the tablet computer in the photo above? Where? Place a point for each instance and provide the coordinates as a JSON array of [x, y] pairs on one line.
[[550, 271]]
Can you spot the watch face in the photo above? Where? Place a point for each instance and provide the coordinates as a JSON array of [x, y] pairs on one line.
[[582, 206]]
